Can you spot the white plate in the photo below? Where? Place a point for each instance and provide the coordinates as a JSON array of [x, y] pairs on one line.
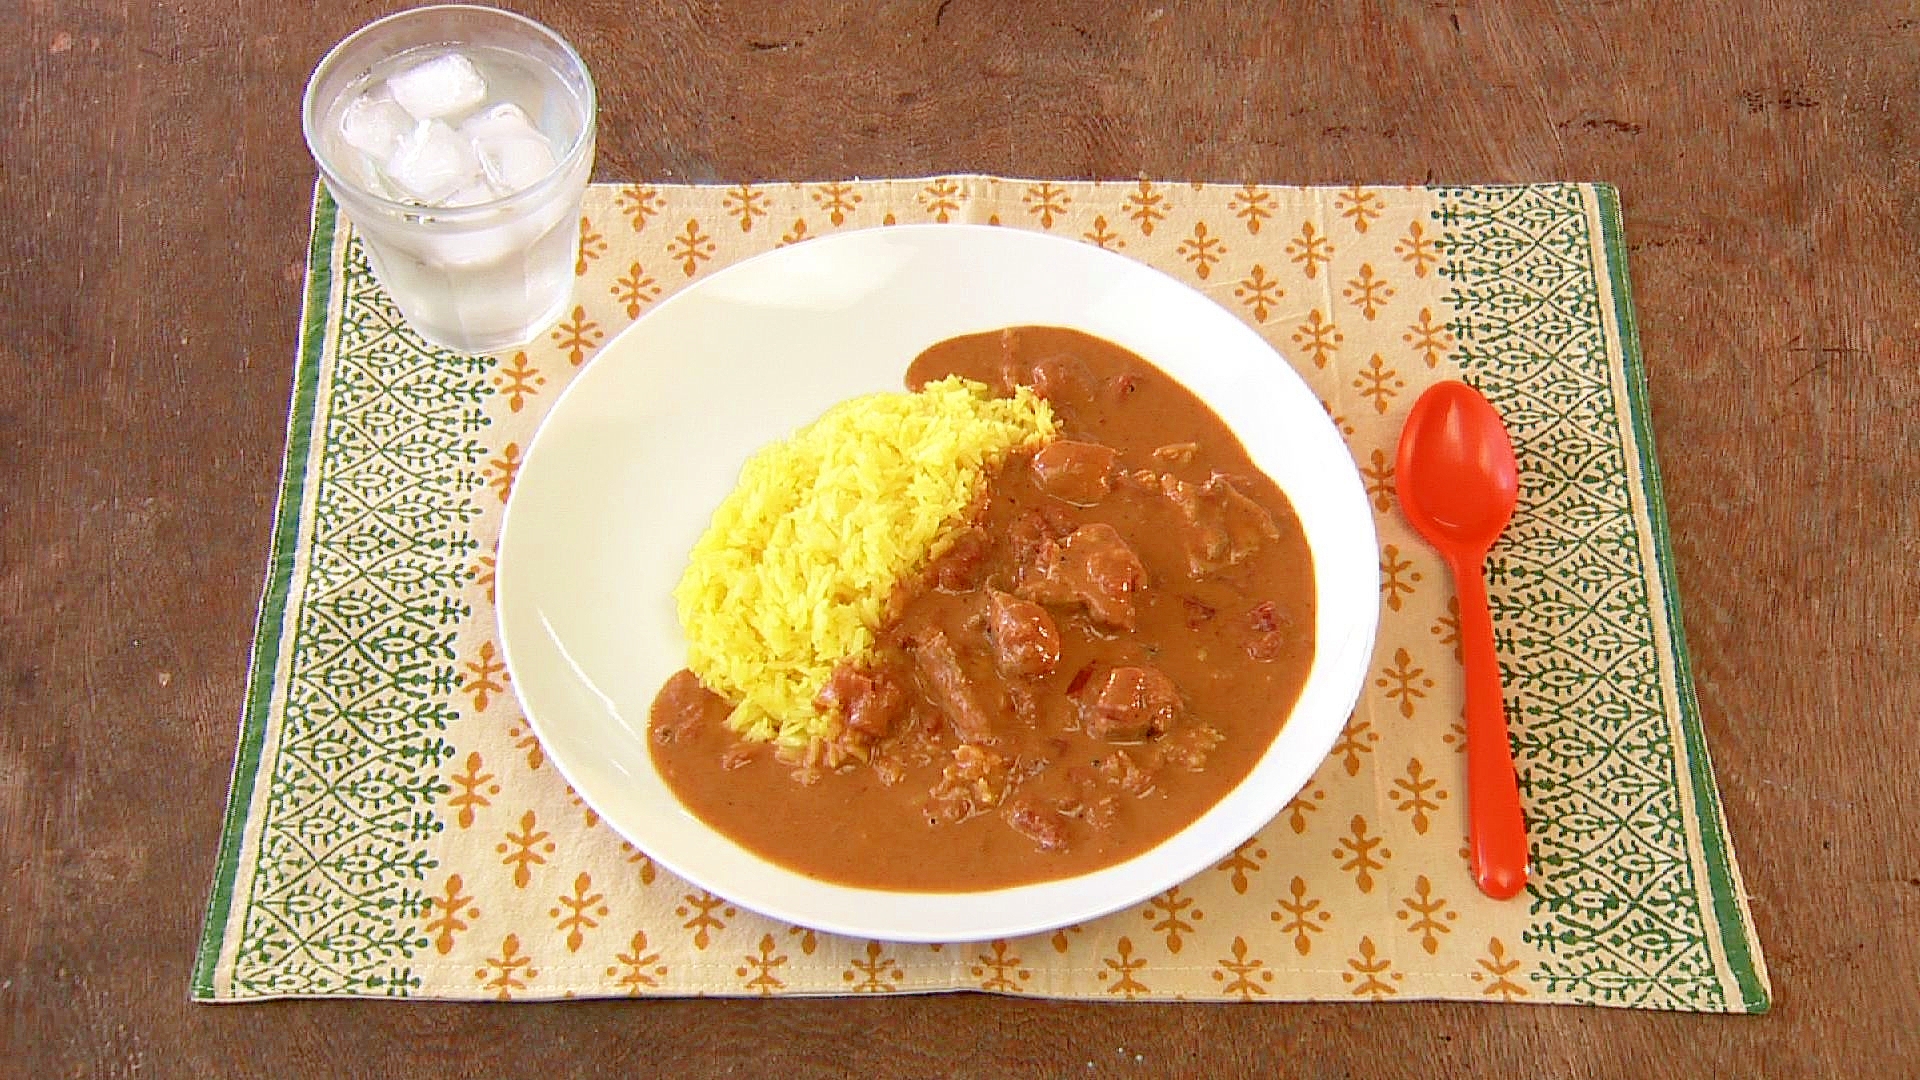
[[640, 449]]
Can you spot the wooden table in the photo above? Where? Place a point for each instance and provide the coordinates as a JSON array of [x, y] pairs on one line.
[[153, 196]]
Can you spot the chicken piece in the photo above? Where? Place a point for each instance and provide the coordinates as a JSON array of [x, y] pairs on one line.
[[974, 782], [1129, 704], [1123, 772], [1034, 528], [1223, 525], [1080, 473], [870, 702], [1062, 380], [1145, 481], [1176, 453], [888, 771], [1093, 568], [1090, 807], [947, 684], [961, 566], [1025, 640], [1268, 632], [1038, 822], [1265, 616], [1188, 746]]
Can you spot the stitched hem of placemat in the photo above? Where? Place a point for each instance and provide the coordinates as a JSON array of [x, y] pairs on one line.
[[271, 614], [552, 990], [1729, 906]]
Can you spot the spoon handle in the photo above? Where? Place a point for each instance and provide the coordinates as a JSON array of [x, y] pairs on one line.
[[1497, 833]]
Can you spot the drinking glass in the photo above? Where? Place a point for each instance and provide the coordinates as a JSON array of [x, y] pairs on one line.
[[488, 275]]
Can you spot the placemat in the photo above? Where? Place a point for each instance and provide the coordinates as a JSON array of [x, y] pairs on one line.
[[393, 828]]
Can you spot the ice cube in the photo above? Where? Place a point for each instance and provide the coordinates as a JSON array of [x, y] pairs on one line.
[[514, 156], [472, 195], [442, 87], [432, 162], [512, 151], [515, 164], [372, 123], [362, 168], [506, 118]]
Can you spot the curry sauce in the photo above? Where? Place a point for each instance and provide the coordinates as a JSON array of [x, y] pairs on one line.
[[1102, 651]]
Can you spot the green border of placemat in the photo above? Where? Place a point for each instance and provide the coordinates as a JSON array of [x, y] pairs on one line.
[[1706, 794], [267, 636]]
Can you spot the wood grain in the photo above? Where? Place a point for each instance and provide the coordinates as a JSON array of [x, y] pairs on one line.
[[153, 189]]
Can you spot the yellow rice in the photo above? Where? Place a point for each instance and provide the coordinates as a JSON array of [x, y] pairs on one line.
[[796, 566]]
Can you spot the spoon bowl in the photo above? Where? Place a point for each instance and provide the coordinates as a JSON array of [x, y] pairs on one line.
[[1458, 479]]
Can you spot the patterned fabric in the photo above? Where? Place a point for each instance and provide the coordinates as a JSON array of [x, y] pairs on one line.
[[394, 828]]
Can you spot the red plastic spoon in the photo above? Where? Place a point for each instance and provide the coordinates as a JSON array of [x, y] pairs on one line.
[[1458, 483]]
